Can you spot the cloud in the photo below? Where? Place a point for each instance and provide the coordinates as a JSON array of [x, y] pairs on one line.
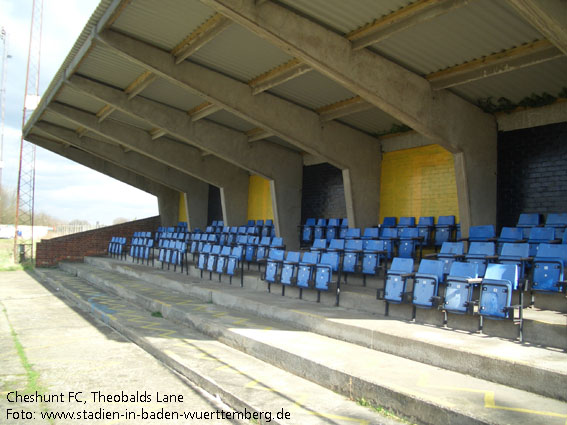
[[64, 189]]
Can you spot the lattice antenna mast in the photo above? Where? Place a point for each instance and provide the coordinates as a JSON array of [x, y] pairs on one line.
[[4, 38], [23, 240]]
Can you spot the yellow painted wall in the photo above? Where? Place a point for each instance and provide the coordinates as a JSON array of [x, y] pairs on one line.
[[182, 208], [259, 199], [418, 182]]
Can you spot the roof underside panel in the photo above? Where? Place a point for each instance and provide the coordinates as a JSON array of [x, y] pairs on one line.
[[372, 121], [240, 54], [102, 64], [341, 16], [479, 29], [58, 120], [78, 100], [230, 120], [163, 23], [312, 90], [281, 142], [550, 77], [165, 92], [128, 119]]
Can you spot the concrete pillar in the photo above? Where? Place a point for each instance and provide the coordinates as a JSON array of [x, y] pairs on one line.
[[234, 202], [286, 204], [197, 197], [168, 205], [362, 193]]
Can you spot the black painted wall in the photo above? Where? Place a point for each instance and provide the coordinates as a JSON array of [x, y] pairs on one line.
[[532, 172], [215, 206], [323, 194]]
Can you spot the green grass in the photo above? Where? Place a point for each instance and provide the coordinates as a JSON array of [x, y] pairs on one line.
[[383, 411], [7, 257], [157, 314]]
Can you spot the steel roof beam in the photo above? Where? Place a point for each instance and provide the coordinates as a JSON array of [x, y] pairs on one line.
[[547, 16], [497, 63], [203, 110], [343, 108], [279, 75]]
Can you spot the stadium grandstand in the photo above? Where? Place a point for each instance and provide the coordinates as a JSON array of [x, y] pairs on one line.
[[361, 203]]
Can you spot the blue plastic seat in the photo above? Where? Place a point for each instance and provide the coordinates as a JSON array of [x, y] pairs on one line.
[[273, 266], [539, 235], [425, 227], [390, 236], [389, 222], [343, 228], [212, 260], [409, 240], [558, 221], [324, 269], [352, 233], [510, 235], [305, 269], [549, 268], [222, 261], [482, 233], [459, 287], [396, 277], [426, 284], [268, 228], [352, 255], [480, 253], [319, 245], [405, 222], [373, 255], [444, 229], [262, 249], [371, 233], [517, 254], [289, 269], [449, 253], [234, 263], [496, 291], [336, 245], [307, 231], [320, 227], [332, 230]]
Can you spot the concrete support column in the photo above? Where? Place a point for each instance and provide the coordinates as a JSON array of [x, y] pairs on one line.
[[197, 197], [362, 193], [234, 202], [168, 205], [286, 204]]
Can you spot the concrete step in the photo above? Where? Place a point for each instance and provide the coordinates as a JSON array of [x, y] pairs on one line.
[[430, 394], [522, 366], [548, 329], [235, 378]]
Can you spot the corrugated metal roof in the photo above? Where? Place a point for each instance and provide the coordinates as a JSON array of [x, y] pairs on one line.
[[343, 16], [74, 98], [165, 92], [312, 90], [230, 120], [548, 77], [104, 65], [372, 121], [478, 29], [239, 53], [164, 23]]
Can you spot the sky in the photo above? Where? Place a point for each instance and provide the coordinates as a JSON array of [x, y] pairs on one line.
[[63, 189]]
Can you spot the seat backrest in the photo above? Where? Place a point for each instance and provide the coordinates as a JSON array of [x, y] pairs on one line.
[[259, 222], [330, 259], [234, 229], [269, 222], [352, 233], [517, 250], [277, 242], [293, 256], [310, 257], [242, 229], [337, 244], [406, 222], [401, 265], [556, 220], [310, 222], [322, 222], [480, 233], [353, 245], [457, 248], [541, 234], [276, 254], [409, 233], [241, 239], [319, 244], [468, 270], [344, 222], [389, 233], [253, 240], [250, 223], [216, 249], [507, 272], [432, 267], [371, 233], [511, 233], [528, 220], [446, 220], [207, 248], [425, 222], [237, 251], [389, 222], [265, 241], [333, 222], [481, 248], [212, 238], [225, 251], [548, 250], [375, 245]]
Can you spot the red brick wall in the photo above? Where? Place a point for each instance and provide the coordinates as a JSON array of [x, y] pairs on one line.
[[93, 242]]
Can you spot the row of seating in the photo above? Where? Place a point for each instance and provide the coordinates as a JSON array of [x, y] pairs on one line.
[[116, 247], [496, 283], [557, 221], [173, 253], [141, 247]]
